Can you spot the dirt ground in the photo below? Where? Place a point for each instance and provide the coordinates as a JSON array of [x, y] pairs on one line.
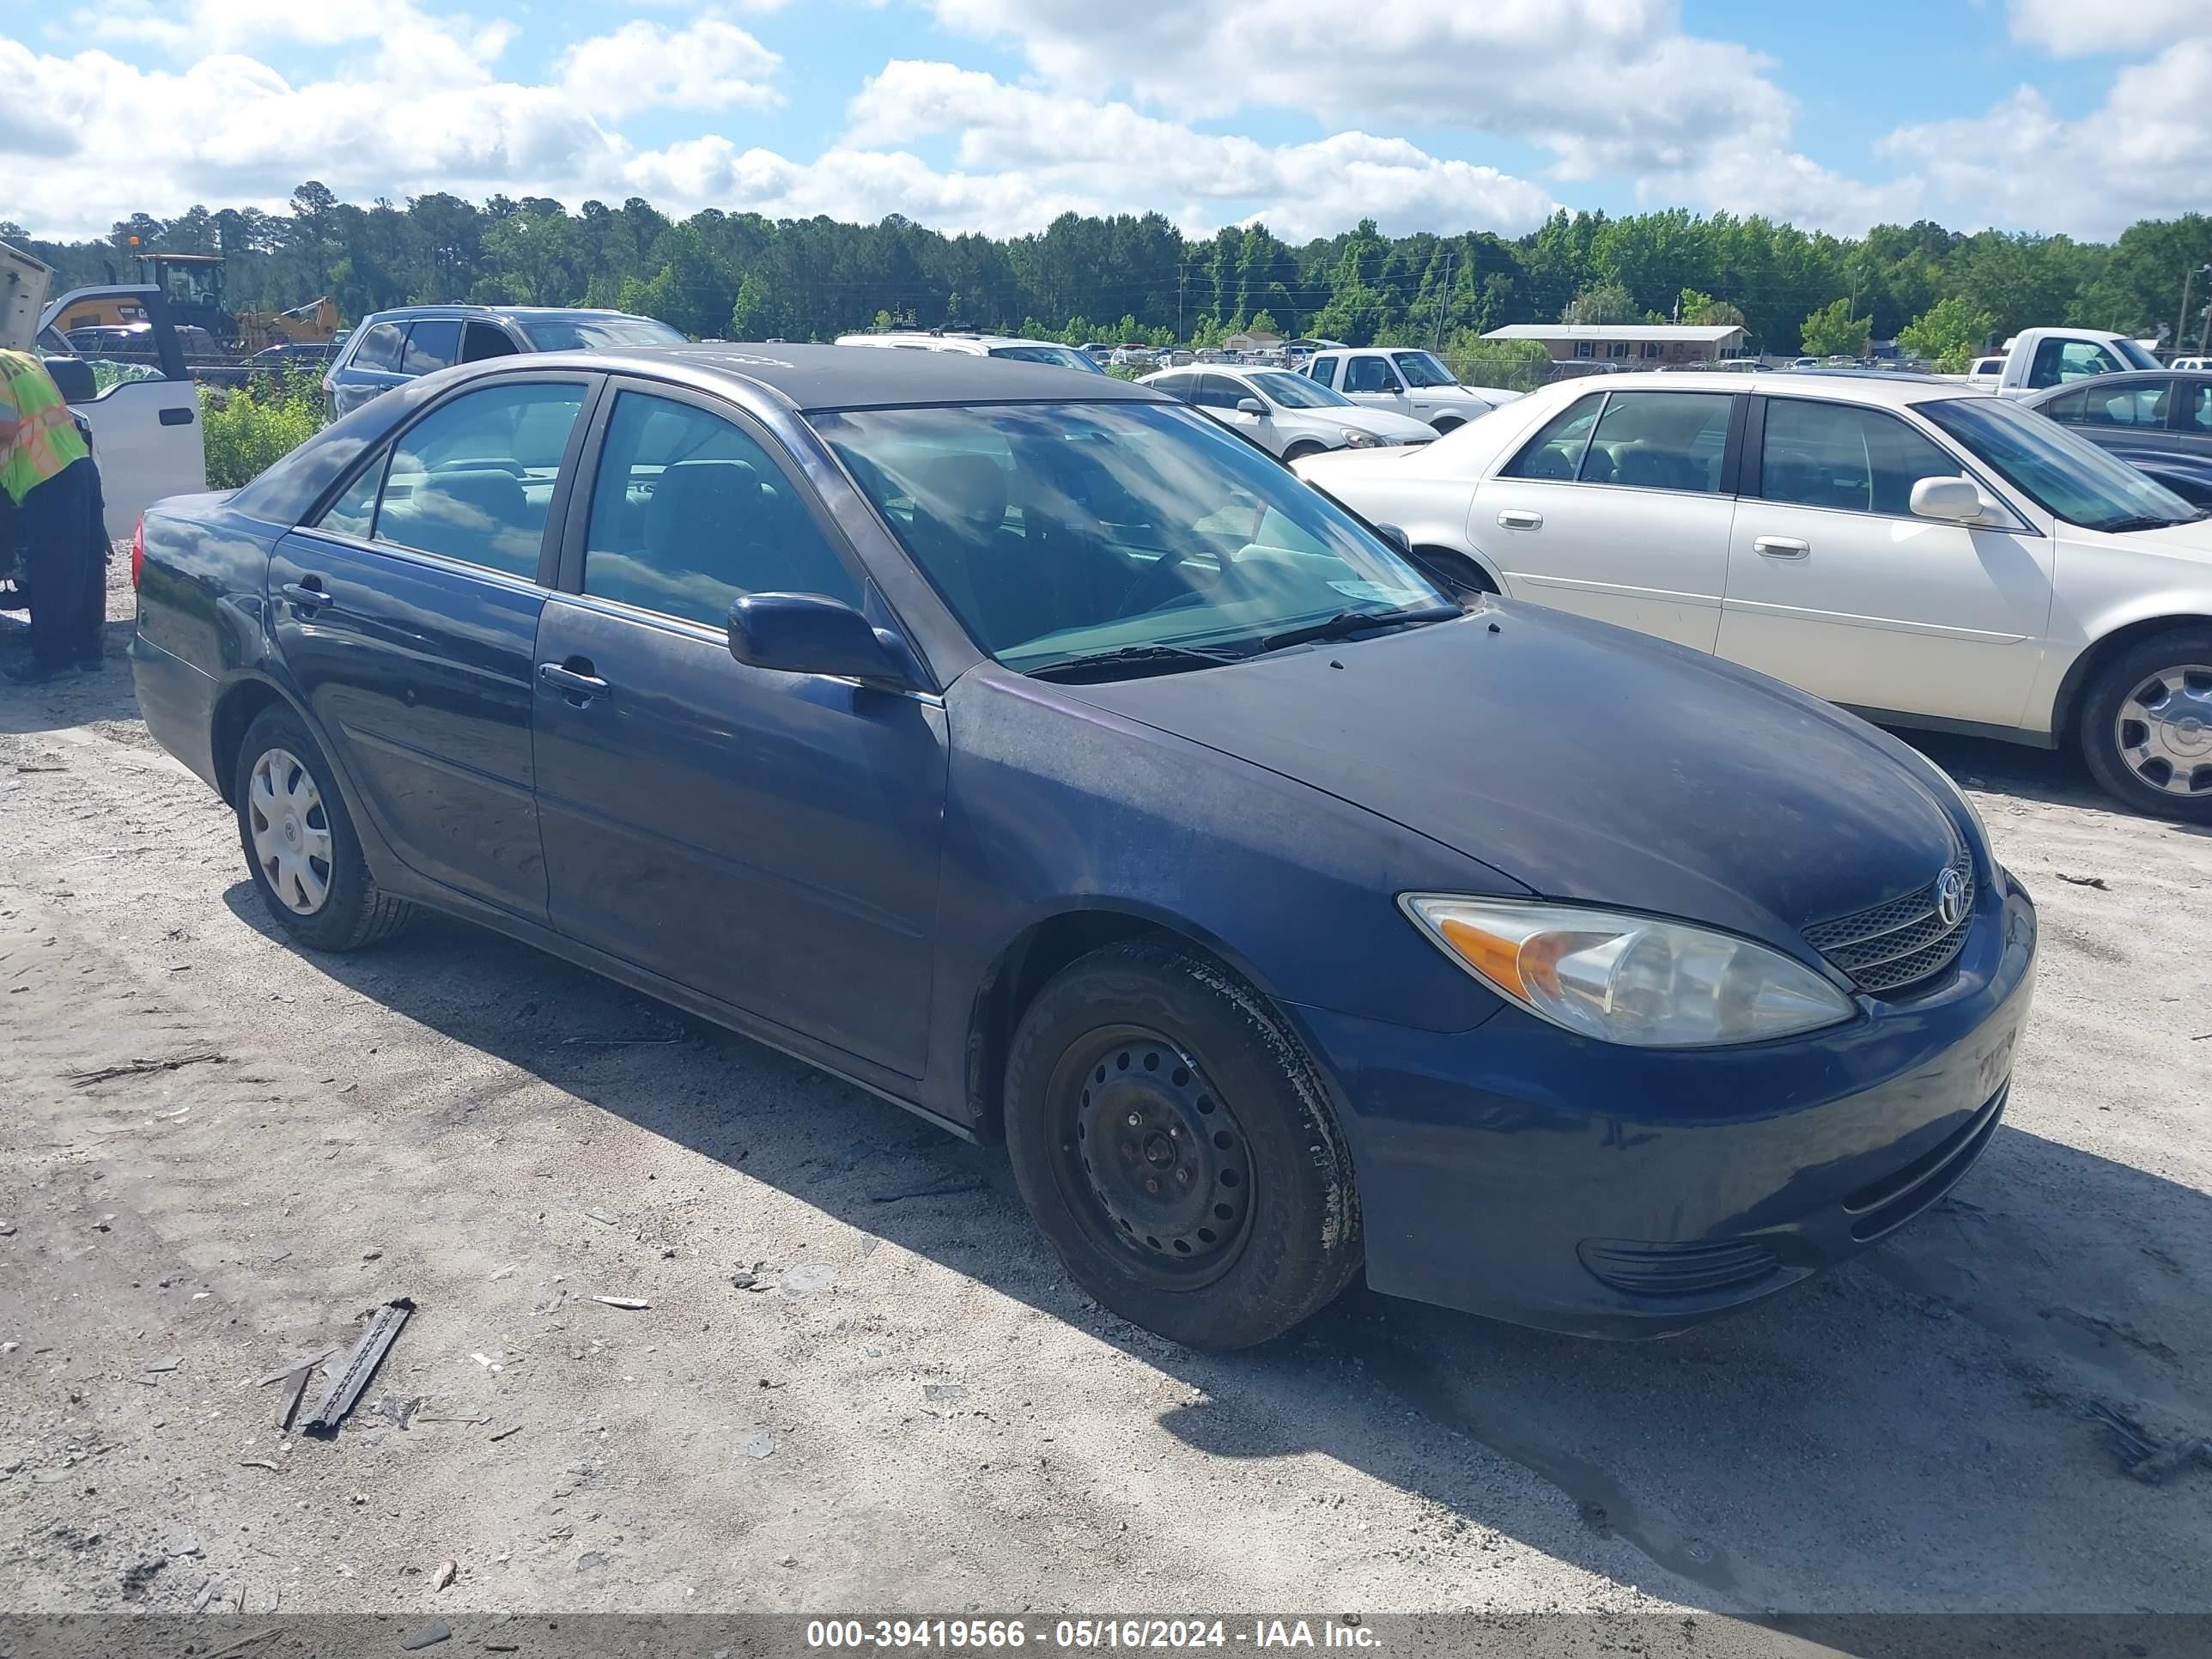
[[907, 1406]]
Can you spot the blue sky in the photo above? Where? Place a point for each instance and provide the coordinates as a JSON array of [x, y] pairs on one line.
[[2047, 115]]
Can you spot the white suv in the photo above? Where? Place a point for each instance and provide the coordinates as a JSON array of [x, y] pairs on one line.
[[1286, 414], [1406, 382], [1919, 551], [980, 345]]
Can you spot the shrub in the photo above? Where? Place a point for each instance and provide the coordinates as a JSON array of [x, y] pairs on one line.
[[248, 427]]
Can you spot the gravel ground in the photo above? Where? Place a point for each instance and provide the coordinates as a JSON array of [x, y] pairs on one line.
[[900, 1402]]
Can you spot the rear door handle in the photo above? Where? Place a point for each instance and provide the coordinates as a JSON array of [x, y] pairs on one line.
[[308, 593], [1781, 547], [577, 687], [177, 416], [1520, 518]]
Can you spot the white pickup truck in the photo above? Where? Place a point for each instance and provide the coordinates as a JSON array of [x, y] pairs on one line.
[[144, 421], [2039, 357], [1405, 381]]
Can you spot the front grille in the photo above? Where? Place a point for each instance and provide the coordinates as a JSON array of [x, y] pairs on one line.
[[1655, 1269], [1899, 943]]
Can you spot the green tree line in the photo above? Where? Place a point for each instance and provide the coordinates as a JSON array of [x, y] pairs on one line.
[[738, 276]]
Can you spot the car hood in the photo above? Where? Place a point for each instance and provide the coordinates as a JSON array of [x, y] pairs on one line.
[[2193, 540], [1381, 421], [1585, 762]]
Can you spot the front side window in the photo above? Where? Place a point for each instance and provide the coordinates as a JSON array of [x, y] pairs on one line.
[[473, 480], [688, 511], [1082, 540], [2057, 361], [1219, 392], [2062, 472], [1323, 369], [1660, 440], [1556, 452], [1423, 369], [1369, 375], [379, 348], [434, 343], [1844, 457]]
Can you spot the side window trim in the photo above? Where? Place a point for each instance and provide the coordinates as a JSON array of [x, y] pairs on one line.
[[565, 573], [1536, 437]]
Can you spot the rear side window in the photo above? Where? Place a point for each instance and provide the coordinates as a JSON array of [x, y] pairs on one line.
[[2196, 413], [474, 480], [1556, 452], [1840, 456], [1660, 440], [1184, 387], [378, 348], [2133, 406], [690, 511], [433, 343]]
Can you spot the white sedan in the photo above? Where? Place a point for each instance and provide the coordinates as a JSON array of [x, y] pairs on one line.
[[1925, 554], [1286, 414]]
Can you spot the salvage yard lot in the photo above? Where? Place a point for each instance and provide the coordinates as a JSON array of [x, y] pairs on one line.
[[862, 1381]]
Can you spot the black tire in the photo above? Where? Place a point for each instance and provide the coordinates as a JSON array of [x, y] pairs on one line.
[[1457, 575], [1304, 448], [2131, 780], [353, 912], [1267, 1231]]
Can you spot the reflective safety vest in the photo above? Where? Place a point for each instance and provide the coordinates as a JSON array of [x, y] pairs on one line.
[[38, 436]]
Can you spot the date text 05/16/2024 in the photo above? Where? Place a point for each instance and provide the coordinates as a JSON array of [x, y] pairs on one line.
[[1126, 1634]]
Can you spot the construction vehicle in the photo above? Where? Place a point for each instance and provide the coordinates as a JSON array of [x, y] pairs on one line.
[[315, 323]]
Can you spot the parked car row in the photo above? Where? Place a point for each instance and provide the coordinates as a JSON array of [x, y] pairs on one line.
[[1025, 748]]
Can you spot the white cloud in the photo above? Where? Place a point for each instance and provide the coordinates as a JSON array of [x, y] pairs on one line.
[[2142, 154], [709, 65], [2074, 28], [1112, 156]]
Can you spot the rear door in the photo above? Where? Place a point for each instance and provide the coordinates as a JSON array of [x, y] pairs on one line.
[[769, 840], [372, 366], [1834, 586], [408, 615], [145, 415], [1619, 508]]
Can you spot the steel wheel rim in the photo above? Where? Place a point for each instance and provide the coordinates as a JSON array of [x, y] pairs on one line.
[[1153, 1162], [290, 830], [2163, 731]]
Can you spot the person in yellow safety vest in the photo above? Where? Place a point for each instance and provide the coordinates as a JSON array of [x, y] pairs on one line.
[[48, 474]]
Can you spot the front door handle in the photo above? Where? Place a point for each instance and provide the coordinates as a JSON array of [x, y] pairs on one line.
[[1781, 547], [577, 687], [1520, 518], [309, 593]]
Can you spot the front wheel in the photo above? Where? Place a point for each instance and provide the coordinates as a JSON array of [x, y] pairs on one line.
[[1175, 1145], [300, 841], [1298, 452], [2146, 725], [1447, 424]]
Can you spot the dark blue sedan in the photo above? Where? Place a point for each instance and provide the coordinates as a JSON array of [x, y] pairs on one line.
[[1028, 750]]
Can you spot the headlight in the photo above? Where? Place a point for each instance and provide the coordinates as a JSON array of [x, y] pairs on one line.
[[1355, 439], [1629, 979]]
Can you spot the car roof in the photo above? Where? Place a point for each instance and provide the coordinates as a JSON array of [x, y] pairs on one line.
[[829, 377], [1893, 388], [442, 309]]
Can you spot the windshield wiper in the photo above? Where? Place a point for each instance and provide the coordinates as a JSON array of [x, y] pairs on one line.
[[1160, 659], [1345, 623], [2145, 521]]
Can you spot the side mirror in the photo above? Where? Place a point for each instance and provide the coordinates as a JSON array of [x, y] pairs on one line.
[[1954, 500], [72, 377], [1251, 406], [807, 634], [1397, 539]]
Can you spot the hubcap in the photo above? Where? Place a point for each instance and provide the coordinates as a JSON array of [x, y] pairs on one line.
[[2163, 730], [1156, 1160], [290, 832]]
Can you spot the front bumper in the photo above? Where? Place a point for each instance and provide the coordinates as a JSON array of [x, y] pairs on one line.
[[1520, 1172]]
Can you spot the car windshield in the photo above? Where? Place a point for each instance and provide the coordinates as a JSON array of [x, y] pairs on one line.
[[1296, 392], [595, 333], [1059, 356], [1141, 533], [1423, 369], [2063, 474]]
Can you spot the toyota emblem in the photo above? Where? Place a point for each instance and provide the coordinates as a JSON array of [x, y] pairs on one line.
[[1951, 898]]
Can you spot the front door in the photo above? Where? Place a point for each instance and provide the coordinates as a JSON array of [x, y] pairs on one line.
[[145, 418], [767, 838], [1616, 509], [1835, 586], [408, 615], [1368, 378]]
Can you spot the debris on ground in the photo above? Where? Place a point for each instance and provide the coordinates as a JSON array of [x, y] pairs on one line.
[[2143, 1455], [807, 1278], [445, 1575], [430, 1636], [945, 1188], [168, 1364], [141, 1067], [295, 1390], [602, 1216], [2097, 882], [503, 1433], [630, 1302], [360, 1366]]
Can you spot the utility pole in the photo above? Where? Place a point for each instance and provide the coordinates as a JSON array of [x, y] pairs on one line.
[[2181, 323], [1183, 275], [1443, 303]]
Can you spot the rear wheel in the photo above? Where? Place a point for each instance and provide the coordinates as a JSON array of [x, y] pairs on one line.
[[299, 843], [2146, 725], [1175, 1145]]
